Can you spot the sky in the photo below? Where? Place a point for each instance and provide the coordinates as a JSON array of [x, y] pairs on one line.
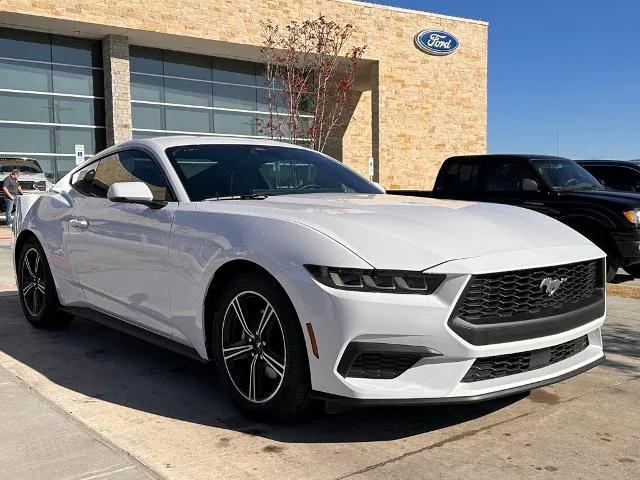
[[564, 75]]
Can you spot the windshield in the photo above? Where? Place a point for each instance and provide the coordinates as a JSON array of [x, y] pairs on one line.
[[562, 174], [25, 166], [210, 171]]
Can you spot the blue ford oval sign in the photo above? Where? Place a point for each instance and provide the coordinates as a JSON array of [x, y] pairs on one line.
[[436, 42]]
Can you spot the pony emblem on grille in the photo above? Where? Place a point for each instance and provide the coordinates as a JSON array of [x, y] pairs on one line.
[[551, 285]]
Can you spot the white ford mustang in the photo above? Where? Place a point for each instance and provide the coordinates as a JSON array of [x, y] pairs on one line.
[[301, 280]]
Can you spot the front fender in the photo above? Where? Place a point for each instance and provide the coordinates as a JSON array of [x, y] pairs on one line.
[[44, 216], [202, 242]]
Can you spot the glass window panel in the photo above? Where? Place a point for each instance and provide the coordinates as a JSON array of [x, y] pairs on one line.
[[145, 60], [26, 108], [279, 101], [67, 137], [64, 165], [130, 166], [26, 138], [146, 116], [24, 44], [77, 80], [261, 76], [188, 120], [25, 76], [187, 65], [76, 51], [234, 71], [187, 92], [230, 96], [79, 111], [285, 129], [235, 123], [146, 88]]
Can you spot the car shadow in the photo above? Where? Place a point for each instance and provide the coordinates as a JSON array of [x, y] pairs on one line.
[[102, 363]]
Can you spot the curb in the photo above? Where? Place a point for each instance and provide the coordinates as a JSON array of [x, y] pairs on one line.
[[625, 291]]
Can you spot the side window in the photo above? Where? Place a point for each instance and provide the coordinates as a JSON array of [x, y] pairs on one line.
[[616, 178], [131, 166], [82, 180], [461, 177], [508, 176]]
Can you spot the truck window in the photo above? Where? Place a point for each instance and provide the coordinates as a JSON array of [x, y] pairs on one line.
[[617, 178], [507, 175], [460, 177]]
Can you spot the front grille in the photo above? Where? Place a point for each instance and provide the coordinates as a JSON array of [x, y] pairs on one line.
[[488, 368], [27, 185], [497, 296], [381, 365]]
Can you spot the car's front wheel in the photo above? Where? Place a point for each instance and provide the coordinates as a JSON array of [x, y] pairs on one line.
[[260, 354], [37, 289]]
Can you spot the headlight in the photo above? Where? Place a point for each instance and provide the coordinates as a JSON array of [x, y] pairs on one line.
[[388, 281], [633, 216]]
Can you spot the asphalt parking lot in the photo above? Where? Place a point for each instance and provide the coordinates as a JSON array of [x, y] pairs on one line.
[[137, 411]]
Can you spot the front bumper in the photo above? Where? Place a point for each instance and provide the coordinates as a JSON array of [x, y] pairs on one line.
[[418, 323], [628, 244], [462, 399]]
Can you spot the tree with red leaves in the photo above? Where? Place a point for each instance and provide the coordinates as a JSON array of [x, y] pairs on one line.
[[309, 71]]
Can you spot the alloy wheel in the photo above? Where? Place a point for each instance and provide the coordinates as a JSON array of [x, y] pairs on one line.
[[253, 347], [33, 282]]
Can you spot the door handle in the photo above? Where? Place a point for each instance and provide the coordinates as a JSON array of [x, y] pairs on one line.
[[78, 224]]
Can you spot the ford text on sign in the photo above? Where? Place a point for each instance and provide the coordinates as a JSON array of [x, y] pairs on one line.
[[436, 42]]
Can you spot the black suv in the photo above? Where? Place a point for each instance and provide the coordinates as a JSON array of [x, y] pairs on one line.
[[555, 186], [621, 175]]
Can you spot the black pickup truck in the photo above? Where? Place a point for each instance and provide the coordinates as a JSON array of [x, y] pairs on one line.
[[555, 186]]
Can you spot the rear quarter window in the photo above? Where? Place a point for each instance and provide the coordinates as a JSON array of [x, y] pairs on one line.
[[460, 176]]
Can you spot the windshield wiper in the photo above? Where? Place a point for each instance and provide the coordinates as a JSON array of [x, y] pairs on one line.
[[249, 196]]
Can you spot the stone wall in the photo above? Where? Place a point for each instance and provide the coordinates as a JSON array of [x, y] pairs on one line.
[[117, 88]]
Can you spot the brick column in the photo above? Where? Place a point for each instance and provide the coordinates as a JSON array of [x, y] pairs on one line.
[[117, 88]]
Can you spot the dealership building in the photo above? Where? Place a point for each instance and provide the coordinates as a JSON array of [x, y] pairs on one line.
[[78, 75]]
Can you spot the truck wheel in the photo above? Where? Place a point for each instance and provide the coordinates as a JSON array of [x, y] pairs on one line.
[[633, 270], [37, 289], [259, 349]]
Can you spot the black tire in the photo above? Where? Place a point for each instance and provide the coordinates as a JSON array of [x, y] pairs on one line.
[[633, 270], [36, 288], [281, 344]]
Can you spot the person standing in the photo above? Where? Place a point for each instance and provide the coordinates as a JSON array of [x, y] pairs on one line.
[[11, 187]]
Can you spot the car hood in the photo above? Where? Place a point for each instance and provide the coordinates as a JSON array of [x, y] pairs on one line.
[[32, 177], [624, 199], [399, 232]]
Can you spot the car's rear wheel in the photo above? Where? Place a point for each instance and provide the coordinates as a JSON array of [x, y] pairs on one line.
[[260, 353], [633, 270], [37, 289]]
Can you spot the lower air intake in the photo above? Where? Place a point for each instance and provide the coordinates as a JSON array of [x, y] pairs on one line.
[[488, 368]]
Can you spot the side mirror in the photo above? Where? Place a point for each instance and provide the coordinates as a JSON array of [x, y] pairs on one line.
[[384, 190], [131, 192], [529, 185]]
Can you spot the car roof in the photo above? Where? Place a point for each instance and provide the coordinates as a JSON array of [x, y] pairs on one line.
[[609, 162], [179, 140], [498, 156]]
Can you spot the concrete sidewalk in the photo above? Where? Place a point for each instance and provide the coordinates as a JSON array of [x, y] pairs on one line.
[[39, 442]]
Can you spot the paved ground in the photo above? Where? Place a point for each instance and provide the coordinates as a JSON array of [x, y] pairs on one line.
[[88, 382], [37, 441]]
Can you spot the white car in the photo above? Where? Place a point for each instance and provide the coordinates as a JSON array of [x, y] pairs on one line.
[[302, 280]]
